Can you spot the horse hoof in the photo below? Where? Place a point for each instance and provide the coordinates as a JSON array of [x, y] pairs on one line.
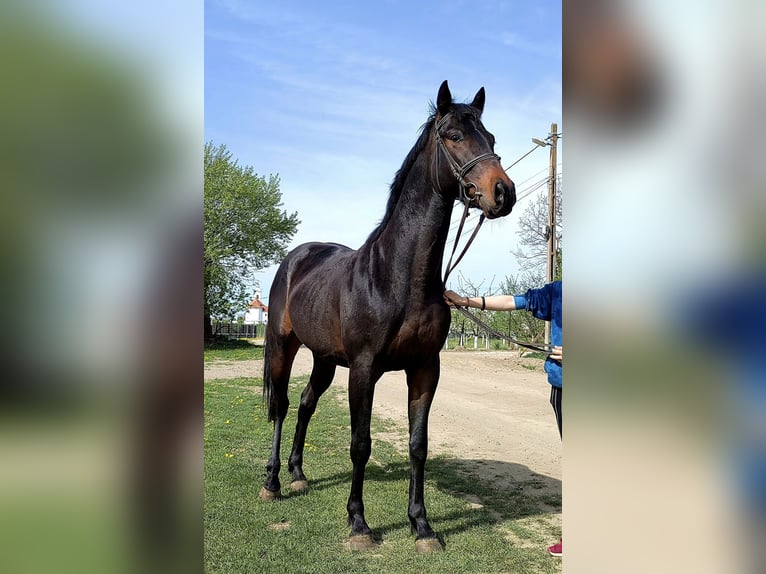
[[299, 485], [267, 495], [428, 545], [362, 542]]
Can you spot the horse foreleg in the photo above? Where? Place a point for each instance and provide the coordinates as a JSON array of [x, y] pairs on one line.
[[321, 377], [421, 383], [361, 386]]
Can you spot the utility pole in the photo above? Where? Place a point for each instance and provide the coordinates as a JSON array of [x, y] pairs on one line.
[[551, 231]]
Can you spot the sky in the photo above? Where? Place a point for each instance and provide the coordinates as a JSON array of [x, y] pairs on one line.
[[331, 96]]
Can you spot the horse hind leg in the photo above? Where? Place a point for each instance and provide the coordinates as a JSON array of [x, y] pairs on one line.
[[321, 377], [279, 355]]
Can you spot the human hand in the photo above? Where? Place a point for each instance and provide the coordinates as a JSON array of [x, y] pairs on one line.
[[557, 354], [452, 298]]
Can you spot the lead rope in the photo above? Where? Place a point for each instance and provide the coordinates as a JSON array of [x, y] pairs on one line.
[[541, 347]]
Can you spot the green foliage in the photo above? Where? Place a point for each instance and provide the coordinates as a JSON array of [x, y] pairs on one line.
[[306, 533], [522, 324], [245, 230], [517, 324]]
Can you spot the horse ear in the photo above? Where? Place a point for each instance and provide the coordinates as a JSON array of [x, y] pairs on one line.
[[444, 99], [478, 100]]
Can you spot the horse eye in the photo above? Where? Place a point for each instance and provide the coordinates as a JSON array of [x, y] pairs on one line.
[[455, 136]]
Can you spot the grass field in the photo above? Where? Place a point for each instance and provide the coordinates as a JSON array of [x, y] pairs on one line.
[[306, 533], [231, 350]]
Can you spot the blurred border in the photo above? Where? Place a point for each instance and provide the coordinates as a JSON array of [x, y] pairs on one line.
[[665, 455], [101, 118]]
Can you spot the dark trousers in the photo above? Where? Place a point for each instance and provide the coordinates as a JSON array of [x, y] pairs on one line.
[[556, 404]]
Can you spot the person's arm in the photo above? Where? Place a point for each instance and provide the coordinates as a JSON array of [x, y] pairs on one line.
[[491, 303]]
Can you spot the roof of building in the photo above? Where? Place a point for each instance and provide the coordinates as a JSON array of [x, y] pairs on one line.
[[258, 304]]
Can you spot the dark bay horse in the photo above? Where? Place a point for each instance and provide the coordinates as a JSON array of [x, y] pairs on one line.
[[380, 308]]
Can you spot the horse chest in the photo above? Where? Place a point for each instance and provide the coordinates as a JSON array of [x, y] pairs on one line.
[[420, 333]]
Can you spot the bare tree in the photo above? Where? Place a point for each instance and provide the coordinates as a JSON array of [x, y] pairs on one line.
[[533, 232], [462, 326]]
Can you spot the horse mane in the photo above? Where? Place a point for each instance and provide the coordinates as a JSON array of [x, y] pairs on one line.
[[397, 186]]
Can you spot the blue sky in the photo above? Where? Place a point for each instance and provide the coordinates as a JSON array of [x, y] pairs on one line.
[[331, 96]]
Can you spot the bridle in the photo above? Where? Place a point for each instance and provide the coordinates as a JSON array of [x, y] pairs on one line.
[[460, 172], [457, 170]]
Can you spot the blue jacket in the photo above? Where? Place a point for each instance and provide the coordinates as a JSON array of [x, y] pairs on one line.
[[545, 304]]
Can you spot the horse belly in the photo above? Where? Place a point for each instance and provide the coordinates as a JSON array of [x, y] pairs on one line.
[[315, 322]]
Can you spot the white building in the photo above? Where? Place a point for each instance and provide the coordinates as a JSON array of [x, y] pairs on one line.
[[257, 313]]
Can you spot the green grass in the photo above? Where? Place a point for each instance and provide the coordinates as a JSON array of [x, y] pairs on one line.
[[232, 350], [305, 533]]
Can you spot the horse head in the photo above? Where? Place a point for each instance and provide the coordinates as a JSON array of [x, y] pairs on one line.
[[465, 162]]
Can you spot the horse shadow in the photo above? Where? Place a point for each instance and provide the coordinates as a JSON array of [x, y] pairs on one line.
[[494, 492]]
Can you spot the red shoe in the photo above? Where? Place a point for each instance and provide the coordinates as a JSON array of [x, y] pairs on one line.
[[555, 550]]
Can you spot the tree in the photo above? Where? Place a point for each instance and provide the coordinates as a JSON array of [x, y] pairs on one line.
[[462, 326], [532, 253], [244, 230], [517, 324], [523, 325]]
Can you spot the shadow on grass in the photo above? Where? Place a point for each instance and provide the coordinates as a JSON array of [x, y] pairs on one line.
[[515, 492]]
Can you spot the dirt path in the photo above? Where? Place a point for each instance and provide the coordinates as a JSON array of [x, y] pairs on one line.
[[491, 411]]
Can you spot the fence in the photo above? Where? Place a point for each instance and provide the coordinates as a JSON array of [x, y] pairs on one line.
[[458, 340], [235, 330]]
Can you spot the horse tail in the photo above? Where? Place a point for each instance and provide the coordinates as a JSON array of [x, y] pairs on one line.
[[274, 343], [269, 400]]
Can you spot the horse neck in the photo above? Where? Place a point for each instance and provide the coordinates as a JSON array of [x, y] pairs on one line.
[[415, 233]]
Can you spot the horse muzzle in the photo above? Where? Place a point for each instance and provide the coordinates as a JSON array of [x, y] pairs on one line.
[[503, 199]]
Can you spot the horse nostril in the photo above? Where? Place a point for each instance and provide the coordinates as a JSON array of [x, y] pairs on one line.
[[499, 193]]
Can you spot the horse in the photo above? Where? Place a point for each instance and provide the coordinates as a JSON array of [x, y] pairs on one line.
[[381, 308]]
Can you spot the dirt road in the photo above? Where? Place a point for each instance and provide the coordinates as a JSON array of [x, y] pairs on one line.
[[491, 410]]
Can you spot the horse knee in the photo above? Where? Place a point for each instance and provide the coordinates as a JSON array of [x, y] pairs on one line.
[[418, 455], [360, 450], [418, 449]]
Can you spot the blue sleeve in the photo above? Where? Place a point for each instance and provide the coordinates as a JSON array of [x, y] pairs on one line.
[[540, 301]]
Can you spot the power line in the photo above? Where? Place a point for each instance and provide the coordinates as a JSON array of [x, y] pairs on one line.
[[523, 194], [522, 157]]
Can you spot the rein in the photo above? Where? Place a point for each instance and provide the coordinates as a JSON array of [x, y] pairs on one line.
[[542, 347]]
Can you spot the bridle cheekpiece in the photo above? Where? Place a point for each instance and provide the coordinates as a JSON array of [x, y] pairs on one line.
[[457, 170]]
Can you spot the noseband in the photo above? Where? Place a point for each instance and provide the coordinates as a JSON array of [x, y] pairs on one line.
[[457, 170], [460, 172]]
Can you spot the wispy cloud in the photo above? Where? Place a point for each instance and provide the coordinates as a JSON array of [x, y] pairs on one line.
[[331, 96], [544, 46]]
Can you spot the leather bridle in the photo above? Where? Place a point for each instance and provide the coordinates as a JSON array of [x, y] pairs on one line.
[[460, 171], [457, 170]]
